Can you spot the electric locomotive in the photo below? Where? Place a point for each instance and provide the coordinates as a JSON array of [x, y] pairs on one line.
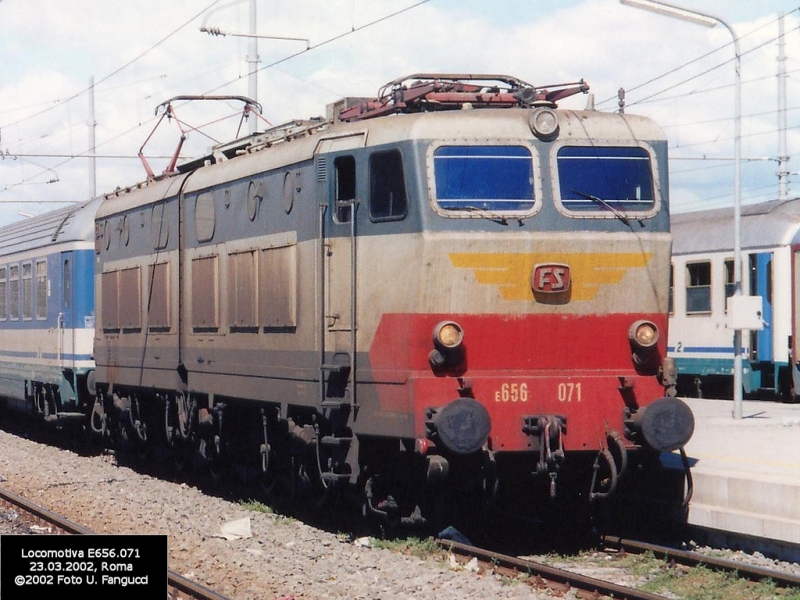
[[451, 292]]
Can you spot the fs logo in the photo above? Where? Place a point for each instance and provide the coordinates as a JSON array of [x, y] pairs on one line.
[[550, 278]]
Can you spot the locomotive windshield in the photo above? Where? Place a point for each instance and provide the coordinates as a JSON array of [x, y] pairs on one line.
[[605, 179], [493, 178]]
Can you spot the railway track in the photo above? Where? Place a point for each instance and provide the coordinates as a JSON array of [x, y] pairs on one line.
[[558, 579], [179, 586], [688, 558], [551, 577]]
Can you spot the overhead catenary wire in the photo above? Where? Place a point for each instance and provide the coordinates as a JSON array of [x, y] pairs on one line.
[[69, 157]]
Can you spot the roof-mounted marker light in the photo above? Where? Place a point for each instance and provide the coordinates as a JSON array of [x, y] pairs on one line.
[[544, 123]]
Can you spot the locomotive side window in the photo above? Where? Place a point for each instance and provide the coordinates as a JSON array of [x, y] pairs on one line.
[[605, 179], [205, 216], [698, 288], [41, 290], [277, 292], [3, 293], [345, 168], [242, 289], [27, 291], [387, 186], [158, 300], [13, 292], [159, 227], [130, 312], [476, 178], [110, 295], [204, 302]]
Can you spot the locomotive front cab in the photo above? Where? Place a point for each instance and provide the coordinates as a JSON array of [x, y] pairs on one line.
[[538, 337]]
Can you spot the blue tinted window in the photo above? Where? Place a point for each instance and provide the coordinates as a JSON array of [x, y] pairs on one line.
[[601, 178], [484, 177]]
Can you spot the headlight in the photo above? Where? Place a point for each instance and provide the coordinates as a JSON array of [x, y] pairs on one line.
[[447, 345], [544, 123], [448, 335], [643, 334]]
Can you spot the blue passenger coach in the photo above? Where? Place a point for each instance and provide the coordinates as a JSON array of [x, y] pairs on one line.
[[47, 312]]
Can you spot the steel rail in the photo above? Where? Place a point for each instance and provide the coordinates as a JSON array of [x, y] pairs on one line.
[[751, 572], [178, 582], [583, 582]]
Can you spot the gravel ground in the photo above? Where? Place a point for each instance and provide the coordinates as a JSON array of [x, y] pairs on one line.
[[283, 558]]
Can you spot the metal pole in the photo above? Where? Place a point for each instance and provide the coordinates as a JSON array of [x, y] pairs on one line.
[[709, 21], [783, 158], [252, 60], [92, 143]]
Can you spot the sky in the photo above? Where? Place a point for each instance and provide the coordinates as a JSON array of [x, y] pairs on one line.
[[140, 54]]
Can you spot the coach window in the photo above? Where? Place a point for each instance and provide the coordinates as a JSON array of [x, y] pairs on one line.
[[484, 179], [729, 281], [671, 299], [387, 186], [3, 293], [605, 180], [41, 290], [27, 291], [698, 288], [67, 279], [13, 292]]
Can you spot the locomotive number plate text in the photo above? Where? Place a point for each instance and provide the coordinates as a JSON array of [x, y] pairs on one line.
[[569, 392], [512, 392]]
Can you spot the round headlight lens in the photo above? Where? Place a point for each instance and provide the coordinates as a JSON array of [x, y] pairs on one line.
[[448, 335], [544, 122], [644, 333]]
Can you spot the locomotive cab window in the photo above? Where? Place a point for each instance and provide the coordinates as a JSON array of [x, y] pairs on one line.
[[476, 179], [387, 186], [605, 180], [345, 168]]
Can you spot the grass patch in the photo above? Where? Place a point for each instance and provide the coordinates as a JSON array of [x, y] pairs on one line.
[[411, 545]]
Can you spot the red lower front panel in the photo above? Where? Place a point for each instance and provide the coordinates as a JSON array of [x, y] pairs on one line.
[[518, 367]]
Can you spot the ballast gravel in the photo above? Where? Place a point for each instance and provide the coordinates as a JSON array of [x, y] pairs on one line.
[[282, 559]]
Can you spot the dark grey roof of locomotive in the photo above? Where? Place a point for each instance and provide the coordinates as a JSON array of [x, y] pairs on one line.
[[763, 225], [74, 223]]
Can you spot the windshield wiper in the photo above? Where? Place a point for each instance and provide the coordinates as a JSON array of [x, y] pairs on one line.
[[487, 214], [602, 202]]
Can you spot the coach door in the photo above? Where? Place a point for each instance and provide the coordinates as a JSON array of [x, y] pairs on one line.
[[338, 250], [66, 314], [794, 342], [761, 285]]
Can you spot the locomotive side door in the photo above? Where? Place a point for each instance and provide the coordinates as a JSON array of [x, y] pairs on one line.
[[337, 279]]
